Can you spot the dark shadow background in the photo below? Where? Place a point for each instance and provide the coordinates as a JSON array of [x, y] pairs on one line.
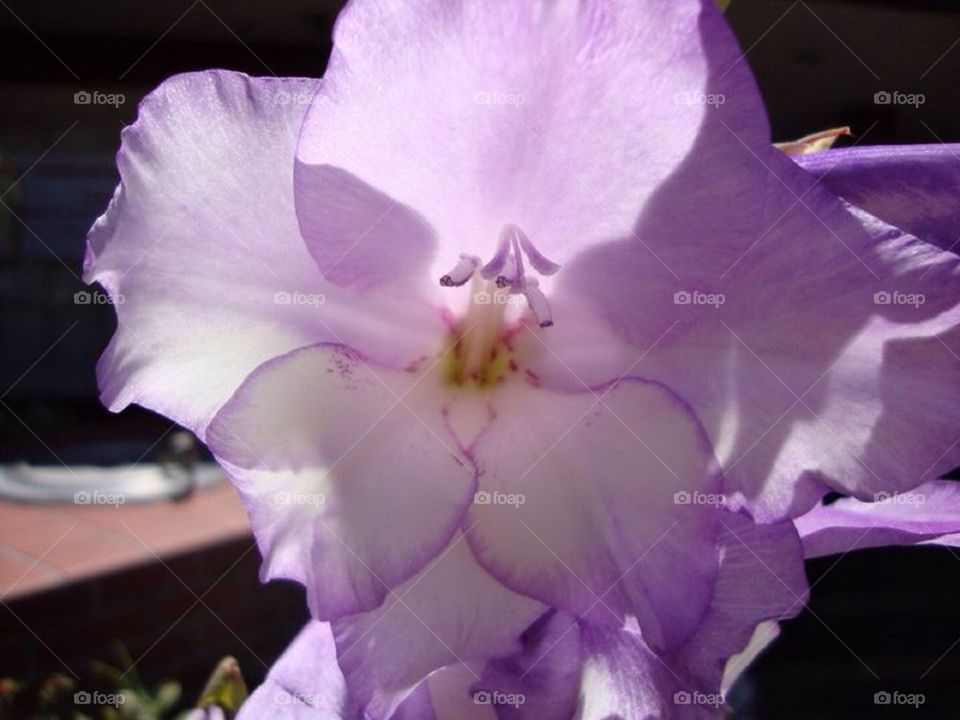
[[889, 613]]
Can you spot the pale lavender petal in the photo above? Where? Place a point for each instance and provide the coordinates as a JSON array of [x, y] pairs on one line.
[[927, 514], [598, 105], [452, 612], [304, 683], [348, 472], [201, 252], [584, 507], [831, 361], [545, 673], [913, 187], [359, 236], [761, 579], [622, 678]]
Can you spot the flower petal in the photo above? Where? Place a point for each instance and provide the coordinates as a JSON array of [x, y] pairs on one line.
[[545, 672], [532, 102], [830, 363], [452, 612], [927, 514], [622, 678], [583, 507], [913, 187], [201, 252], [348, 473], [359, 236], [761, 578], [304, 683]]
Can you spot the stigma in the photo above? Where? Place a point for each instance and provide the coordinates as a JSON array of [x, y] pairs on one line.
[[507, 270]]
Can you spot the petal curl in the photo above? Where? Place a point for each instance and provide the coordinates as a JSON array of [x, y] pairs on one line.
[[913, 187], [350, 478], [928, 514]]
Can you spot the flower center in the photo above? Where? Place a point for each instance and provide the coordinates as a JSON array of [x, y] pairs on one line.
[[506, 268]]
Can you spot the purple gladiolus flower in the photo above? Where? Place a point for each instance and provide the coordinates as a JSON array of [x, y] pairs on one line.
[[529, 354]]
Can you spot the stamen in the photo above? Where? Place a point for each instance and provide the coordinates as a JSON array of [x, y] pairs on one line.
[[538, 302], [496, 264], [507, 269], [464, 269], [540, 262], [510, 274]]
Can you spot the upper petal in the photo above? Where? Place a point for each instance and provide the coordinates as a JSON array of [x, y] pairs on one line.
[[350, 478], [563, 118], [913, 187], [201, 251]]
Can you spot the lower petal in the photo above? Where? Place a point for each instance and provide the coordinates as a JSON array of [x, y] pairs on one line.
[[451, 613], [581, 504], [350, 478]]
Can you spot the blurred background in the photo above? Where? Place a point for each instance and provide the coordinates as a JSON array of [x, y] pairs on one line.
[[171, 573]]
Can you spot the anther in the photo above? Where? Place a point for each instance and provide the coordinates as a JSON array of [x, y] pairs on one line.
[[464, 269], [538, 302]]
